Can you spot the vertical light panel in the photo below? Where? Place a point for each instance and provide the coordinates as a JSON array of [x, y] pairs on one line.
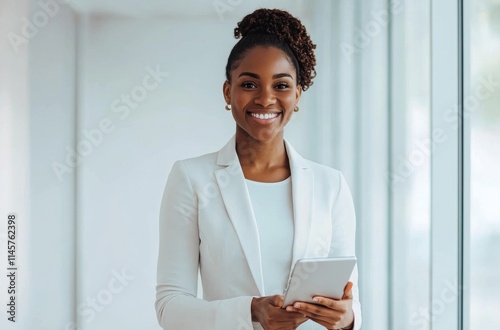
[[409, 176], [445, 166], [52, 177], [482, 138], [344, 91], [466, 168], [324, 109], [371, 199], [14, 162]]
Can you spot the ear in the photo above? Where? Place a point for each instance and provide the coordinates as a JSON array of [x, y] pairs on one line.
[[298, 93], [226, 90]]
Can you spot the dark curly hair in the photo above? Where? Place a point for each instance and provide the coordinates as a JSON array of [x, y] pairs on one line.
[[277, 28]]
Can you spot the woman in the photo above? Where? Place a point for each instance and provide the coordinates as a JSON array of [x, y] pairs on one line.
[[243, 215]]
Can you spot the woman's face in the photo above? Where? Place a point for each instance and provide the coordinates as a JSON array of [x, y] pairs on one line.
[[264, 83]]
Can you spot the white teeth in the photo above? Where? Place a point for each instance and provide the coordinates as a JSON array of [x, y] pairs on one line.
[[264, 116]]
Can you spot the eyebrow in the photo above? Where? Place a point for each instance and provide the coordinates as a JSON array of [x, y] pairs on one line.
[[256, 76]]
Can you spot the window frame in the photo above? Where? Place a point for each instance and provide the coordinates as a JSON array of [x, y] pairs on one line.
[[449, 167]]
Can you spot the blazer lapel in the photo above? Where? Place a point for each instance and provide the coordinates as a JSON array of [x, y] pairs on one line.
[[302, 196], [237, 201]]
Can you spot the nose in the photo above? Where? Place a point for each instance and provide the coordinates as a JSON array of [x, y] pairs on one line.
[[265, 98]]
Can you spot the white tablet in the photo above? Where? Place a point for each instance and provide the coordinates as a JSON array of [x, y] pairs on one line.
[[325, 277]]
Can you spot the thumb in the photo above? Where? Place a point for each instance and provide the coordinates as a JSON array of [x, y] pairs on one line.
[[277, 300], [348, 291]]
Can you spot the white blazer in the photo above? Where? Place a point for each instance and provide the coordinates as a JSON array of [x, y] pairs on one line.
[[207, 224]]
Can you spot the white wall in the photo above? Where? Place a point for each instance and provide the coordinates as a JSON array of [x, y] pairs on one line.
[[14, 157], [52, 62], [37, 118]]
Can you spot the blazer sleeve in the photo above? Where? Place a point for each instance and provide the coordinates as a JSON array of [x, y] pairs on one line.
[[344, 239], [177, 270]]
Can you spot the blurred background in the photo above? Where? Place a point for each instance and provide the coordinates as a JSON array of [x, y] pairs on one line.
[[99, 98]]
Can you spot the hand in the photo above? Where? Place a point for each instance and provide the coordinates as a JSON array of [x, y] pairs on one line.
[[330, 313], [268, 312]]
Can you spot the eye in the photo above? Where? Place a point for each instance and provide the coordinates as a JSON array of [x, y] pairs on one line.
[[282, 85], [248, 84]]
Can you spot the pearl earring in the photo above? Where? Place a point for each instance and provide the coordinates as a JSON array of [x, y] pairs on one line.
[[228, 107]]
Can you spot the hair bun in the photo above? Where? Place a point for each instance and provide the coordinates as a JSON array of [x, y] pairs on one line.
[[268, 21]]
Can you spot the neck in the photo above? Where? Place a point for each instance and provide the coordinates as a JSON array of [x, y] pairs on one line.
[[261, 154]]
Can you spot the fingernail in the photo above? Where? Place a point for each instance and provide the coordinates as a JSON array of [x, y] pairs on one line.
[[316, 299], [296, 305]]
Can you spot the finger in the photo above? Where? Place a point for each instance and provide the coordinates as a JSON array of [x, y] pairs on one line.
[[294, 311], [277, 300], [321, 311], [332, 304], [327, 319], [348, 291]]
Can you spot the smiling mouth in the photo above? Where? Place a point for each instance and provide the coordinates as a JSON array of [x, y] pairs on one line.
[[265, 116]]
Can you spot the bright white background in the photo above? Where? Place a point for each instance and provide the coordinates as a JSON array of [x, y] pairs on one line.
[[367, 114]]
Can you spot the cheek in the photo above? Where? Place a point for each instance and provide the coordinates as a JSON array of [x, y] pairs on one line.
[[241, 99], [289, 100]]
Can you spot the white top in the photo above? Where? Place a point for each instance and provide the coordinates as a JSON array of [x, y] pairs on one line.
[[272, 206]]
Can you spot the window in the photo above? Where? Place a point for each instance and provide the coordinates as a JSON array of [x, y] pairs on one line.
[[483, 106]]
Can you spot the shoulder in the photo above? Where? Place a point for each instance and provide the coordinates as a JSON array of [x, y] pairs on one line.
[[191, 174], [328, 180], [325, 173], [320, 171], [204, 159], [323, 170], [199, 164]]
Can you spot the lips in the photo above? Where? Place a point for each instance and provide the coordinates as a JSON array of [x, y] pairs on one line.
[[264, 115], [264, 118]]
